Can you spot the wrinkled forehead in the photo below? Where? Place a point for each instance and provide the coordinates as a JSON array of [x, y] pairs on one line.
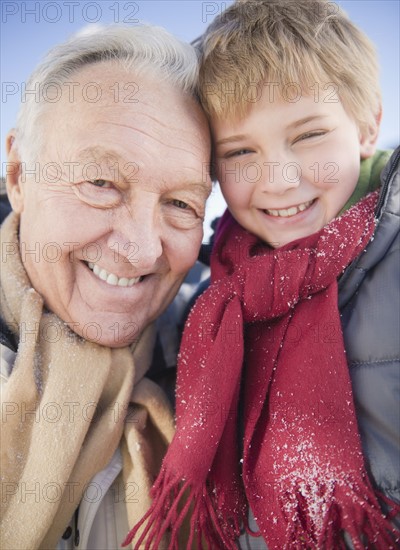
[[110, 84], [106, 97], [108, 117]]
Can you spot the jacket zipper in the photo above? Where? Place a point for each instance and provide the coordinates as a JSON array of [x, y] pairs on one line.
[[77, 537], [387, 181]]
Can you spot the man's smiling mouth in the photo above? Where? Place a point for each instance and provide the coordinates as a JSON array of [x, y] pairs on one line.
[[111, 278]]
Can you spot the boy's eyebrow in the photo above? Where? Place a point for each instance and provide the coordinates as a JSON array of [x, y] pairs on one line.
[[295, 124], [232, 139], [306, 119]]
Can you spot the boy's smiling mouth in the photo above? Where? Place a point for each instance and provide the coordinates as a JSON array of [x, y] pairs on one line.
[[288, 212]]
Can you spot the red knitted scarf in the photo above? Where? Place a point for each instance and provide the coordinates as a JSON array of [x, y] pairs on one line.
[[268, 326]]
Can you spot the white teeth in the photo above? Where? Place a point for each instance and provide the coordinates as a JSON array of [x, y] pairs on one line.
[[292, 211], [288, 212], [111, 278]]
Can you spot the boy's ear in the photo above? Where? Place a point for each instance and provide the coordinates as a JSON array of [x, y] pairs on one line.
[[15, 189], [369, 137]]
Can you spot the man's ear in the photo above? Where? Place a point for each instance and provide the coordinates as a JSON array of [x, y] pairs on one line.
[[15, 189], [369, 137]]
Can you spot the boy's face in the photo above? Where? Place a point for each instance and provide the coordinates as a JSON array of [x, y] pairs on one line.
[[287, 168]]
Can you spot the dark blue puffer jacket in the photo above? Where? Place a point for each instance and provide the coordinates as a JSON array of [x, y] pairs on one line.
[[369, 303]]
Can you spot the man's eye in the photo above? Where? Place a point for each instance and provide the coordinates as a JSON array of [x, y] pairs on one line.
[[180, 204], [98, 193], [104, 184]]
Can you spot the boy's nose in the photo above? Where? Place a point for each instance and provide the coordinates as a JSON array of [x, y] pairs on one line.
[[278, 176]]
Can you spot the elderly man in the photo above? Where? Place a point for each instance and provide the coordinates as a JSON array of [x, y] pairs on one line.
[[107, 179]]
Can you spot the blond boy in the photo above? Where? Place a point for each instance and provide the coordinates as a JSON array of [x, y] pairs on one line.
[[288, 400]]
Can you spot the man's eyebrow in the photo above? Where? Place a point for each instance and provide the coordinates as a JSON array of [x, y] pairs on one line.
[[98, 154], [199, 188], [202, 188], [232, 139]]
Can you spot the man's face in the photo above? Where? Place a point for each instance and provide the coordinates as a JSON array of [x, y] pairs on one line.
[[288, 167], [108, 242]]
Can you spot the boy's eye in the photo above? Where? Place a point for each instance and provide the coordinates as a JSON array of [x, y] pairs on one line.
[[308, 135], [104, 184], [237, 153]]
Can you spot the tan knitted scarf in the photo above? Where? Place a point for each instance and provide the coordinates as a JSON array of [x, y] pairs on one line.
[[66, 407]]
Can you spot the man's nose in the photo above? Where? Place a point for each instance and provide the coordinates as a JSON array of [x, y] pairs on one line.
[[137, 238]]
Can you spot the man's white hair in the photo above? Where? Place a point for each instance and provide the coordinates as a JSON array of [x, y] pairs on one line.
[[138, 48]]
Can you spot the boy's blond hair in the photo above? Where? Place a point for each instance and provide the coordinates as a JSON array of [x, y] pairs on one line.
[[307, 45]]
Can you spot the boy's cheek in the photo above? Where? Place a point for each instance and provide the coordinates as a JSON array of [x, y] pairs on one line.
[[225, 171], [231, 173], [324, 175], [233, 194]]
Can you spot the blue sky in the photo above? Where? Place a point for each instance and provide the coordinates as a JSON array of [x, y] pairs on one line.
[[30, 28]]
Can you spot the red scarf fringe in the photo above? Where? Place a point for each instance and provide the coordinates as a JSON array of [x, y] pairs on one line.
[[358, 514], [173, 502]]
